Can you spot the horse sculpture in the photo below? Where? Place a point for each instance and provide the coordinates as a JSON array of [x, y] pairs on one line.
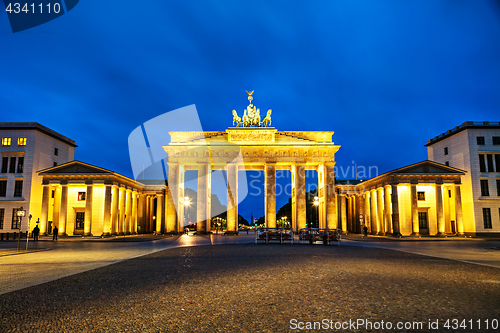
[[266, 122], [236, 119]]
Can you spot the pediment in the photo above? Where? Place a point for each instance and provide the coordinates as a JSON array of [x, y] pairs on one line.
[[428, 167], [75, 167]]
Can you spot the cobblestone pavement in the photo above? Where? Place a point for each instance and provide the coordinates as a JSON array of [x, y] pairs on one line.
[[259, 288], [70, 256]]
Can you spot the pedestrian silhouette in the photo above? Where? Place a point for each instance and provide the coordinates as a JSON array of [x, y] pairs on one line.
[[366, 230], [54, 233], [36, 231]]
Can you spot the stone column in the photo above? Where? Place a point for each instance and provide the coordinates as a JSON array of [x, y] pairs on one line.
[[414, 210], [56, 209], [373, 212], [160, 199], [440, 210], [45, 209], [128, 211], [87, 231], [395, 211], [368, 217], [147, 215], [107, 210], [458, 210], [359, 227], [232, 198], [141, 214], [114, 213], [134, 213], [202, 199], [63, 213], [343, 213], [121, 219], [380, 211], [270, 193], [300, 191], [330, 197], [387, 210]]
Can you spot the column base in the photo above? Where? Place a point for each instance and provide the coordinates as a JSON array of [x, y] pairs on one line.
[[373, 233], [442, 234], [397, 235], [105, 234], [235, 233], [414, 234], [88, 234], [381, 233]]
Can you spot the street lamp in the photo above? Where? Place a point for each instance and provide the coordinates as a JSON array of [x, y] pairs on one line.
[[316, 203], [20, 213]]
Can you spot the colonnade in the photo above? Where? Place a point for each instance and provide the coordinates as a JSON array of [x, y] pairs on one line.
[[109, 208]]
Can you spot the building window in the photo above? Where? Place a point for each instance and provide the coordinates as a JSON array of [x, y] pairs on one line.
[[485, 192], [489, 158], [20, 165], [422, 220], [498, 187], [2, 215], [53, 194], [482, 164], [487, 218], [497, 161], [15, 218], [449, 193], [5, 141], [56, 152], [447, 163], [496, 140], [445, 151], [80, 220], [3, 188], [18, 188], [12, 168], [21, 141], [5, 164], [421, 196], [480, 140], [81, 196], [55, 163]]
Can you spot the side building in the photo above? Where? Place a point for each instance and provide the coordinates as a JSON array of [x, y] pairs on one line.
[[26, 148], [475, 148]]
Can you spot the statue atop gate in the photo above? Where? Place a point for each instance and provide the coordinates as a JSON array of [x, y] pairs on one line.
[[251, 116]]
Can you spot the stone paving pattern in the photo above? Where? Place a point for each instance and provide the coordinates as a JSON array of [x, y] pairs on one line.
[[254, 288]]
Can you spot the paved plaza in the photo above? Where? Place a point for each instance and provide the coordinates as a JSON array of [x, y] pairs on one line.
[[186, 284]]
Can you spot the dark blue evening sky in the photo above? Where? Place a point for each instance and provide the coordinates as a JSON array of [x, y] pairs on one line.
[[384, 75]]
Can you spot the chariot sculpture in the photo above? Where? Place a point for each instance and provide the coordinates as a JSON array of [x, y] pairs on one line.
[[251, 116]]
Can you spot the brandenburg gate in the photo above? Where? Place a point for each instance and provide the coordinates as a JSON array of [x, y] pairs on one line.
[[251, 145]]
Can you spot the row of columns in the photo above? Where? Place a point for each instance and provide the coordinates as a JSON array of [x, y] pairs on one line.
[[377, 203], [175, 201], [124, 210]]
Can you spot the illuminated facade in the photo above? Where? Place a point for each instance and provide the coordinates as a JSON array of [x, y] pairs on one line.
[[475, 148], [25, 149], [426, 198]]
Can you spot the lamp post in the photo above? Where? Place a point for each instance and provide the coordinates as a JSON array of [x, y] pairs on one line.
[[285, 224], [20, 213], [154, 222], [27, 238], [316, 203]]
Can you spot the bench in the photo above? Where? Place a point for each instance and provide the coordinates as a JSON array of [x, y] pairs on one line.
[[267, 235], [326, 236]]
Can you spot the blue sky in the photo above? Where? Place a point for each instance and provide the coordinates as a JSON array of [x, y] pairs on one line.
[[384, 75]]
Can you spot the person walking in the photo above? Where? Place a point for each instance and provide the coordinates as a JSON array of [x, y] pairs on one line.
[[36, 232], [54, 233]]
